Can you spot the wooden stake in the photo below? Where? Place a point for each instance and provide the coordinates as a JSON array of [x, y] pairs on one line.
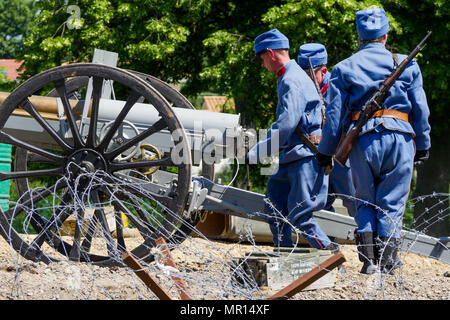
[[145, 276], [168, 261], [309, 277]]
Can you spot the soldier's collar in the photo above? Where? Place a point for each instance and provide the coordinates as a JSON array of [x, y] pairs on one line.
[[371, 45], [280, 72]]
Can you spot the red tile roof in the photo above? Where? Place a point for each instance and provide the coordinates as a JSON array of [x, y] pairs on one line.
[[215, 103], [10, 66]]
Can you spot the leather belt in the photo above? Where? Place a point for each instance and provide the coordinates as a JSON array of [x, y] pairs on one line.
[[384, 113], [314, 138]]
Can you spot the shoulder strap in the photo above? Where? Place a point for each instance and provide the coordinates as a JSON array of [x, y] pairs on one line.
[[394, 55]]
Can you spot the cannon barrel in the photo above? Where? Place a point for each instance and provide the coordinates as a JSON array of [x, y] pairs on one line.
[[218, 134], [47, 106]]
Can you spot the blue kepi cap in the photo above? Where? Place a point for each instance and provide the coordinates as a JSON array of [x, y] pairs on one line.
[[371, 23], [315, 51], [272, 39]]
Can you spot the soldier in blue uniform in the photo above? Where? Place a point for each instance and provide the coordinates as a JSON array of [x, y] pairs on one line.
[[299, 186], [383, 157], [340, 179]]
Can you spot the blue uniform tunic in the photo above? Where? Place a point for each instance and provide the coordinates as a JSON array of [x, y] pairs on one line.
[[298, 102], [382, 158], [340, 179], [299, 186]]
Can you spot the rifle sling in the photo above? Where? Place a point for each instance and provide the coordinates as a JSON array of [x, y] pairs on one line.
[[394, 55], [311, 140]]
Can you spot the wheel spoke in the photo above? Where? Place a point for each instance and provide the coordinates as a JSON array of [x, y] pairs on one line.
[[6, 138], [74, 254], [131, 100], [29, 107], [119, 228], [97, 85], [56, 219], [163, 200], [165, 162], [143, 215], [60, 87], [31, 174], [25, 200], [86, 244], [36, 158], [156, 127], [143, 226], [99, 214], [118, 207]]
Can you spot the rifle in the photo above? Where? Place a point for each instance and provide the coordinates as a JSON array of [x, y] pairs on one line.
[[373, 104], [303, 136], [313, 147], [300, 133], [313, 75]]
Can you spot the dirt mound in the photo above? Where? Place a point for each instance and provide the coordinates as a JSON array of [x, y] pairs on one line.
[[418, 278]]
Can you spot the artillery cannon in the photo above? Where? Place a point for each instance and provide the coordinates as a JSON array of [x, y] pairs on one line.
[[102, 152]]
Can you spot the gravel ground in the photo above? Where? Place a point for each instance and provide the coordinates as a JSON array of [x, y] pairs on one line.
[[420, 278]]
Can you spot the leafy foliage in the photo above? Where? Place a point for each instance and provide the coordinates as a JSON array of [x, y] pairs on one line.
[[6, 85], [416, 18], [15, 19]]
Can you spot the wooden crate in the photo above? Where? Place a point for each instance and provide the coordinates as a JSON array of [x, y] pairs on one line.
[[278, 269]]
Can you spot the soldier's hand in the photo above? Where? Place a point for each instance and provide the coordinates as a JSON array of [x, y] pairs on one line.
[[323, 160], [421, 156]]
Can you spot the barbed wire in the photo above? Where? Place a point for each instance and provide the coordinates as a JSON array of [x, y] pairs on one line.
[[77, 230]]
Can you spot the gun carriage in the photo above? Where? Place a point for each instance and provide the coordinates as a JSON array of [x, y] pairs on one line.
[[134, 153]]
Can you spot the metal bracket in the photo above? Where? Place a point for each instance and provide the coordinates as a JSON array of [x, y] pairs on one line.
[[198, 195]]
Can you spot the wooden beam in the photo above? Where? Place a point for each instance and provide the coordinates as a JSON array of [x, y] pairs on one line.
[[168, 261], [145, 276], [309, 277]]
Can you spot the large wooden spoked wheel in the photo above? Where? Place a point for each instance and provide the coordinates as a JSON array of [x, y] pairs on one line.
[[83, 174], [74, 88]]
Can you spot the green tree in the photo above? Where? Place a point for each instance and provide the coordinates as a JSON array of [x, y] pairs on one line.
[[6, 85], [159, 37], [15, 19]]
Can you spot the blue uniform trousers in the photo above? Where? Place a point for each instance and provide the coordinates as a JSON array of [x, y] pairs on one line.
[[382, 165], [295, 191], [340, 182]]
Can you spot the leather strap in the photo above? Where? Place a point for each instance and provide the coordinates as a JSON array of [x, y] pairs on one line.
[[384, 113], [394, 55]]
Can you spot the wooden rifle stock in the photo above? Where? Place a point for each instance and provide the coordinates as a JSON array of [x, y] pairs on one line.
[[373, 104]]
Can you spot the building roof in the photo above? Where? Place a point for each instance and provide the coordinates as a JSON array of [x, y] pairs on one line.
[[215, 103], [10, 67]]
